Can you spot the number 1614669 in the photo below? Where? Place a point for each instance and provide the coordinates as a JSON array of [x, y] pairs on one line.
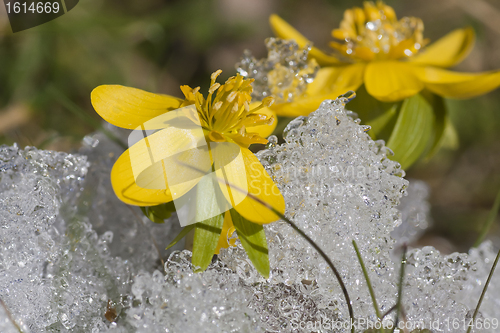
[[38, 7]]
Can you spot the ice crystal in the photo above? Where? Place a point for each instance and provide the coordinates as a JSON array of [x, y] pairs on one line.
[[284, 74], [179, 300], [339, 185], [415, 213], [73, 258]]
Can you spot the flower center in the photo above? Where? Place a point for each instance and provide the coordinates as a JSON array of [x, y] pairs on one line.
[[374, 33], [226, 113]]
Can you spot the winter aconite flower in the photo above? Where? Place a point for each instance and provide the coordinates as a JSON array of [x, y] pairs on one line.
[[391, 57], [197, 148], [399, 78]]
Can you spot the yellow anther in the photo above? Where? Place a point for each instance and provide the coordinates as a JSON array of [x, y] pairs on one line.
[[226, 112], [217, 105], [213, 88], [268, 101], [235, 108], [231, 96], [374, 33], [215, 74]]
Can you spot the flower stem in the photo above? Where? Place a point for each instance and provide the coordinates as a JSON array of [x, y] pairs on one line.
[[400, 287], [328, 261], [483, 292], [368, 282], [489, 221]]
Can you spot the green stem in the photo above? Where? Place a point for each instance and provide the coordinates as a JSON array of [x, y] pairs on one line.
[[368, 282], [326, 258], [483, 292], [400, 287], [489, 221]]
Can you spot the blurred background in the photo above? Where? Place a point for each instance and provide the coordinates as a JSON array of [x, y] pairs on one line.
[[48, 72]]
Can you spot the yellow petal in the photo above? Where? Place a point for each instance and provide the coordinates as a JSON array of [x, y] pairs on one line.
[[458, 85], [266, 129], [240, 173], [123, 181], [227, 231], [447, 51], [332, 79], [322, 58], [390, 81], [180, 146], [130, 107], [170, 161], [329, 83], [285, 31]]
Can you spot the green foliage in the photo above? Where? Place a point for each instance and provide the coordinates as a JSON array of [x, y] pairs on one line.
[[412, 128], [207, 232], [442, 120], [379, 115], [206, 237], [155, 46], [413, 131], [158, 214], [253, 239]]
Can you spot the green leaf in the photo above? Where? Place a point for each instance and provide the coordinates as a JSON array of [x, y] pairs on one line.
[[382, 123], [412, 132], [158, 214], [440, 124], [181, 235], [206, 237], [207, 232], [450, 136], [379, 115], [253, 239]]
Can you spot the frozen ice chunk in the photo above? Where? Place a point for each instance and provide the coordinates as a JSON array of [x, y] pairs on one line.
[[55, 273], [482, 259], [415, 213], [183, 301], [339, 186], [73, 258], [284, 74]]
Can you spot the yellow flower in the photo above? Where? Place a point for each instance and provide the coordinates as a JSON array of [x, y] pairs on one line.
[[389, 57], [227, 120]]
